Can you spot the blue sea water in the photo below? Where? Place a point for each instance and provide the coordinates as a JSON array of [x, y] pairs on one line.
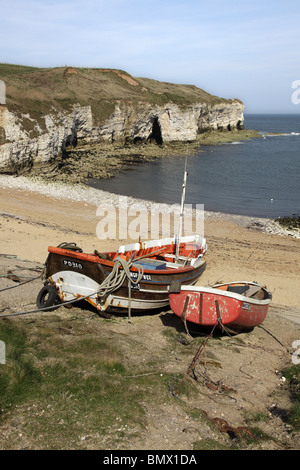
[[259, 178]]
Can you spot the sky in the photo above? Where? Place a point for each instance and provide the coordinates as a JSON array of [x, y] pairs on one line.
[[233, 49]]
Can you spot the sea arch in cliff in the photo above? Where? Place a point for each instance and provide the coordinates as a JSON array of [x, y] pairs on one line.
[[156, 135]]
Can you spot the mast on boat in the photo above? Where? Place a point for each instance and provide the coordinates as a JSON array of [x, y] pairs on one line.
[[181, 209]]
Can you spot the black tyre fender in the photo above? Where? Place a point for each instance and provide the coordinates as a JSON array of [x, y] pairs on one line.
[[47, 297]]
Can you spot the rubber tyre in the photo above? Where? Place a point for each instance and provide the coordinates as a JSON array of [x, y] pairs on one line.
[[47, 297]]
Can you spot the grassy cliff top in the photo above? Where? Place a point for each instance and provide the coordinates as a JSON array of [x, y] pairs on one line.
[[36, 91]]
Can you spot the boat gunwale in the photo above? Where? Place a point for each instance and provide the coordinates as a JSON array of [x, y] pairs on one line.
[[233, 295], [93, 258]]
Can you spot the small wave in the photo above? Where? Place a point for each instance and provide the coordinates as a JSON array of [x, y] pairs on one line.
[[233, 143], [279, 134]]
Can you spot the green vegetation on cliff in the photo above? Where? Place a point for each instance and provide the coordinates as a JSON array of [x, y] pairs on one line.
[[39, 91], [82, 141]]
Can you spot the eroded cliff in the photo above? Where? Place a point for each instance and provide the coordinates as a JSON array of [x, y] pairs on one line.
[[48, 111]]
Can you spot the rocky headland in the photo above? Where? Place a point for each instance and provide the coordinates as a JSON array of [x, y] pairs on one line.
[[73, 122]]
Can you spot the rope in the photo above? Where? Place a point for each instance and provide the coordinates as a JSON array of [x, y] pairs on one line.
[[9, 275], [51, 307], [276, 339], [20, 283], [111, 283], [117, 276], [219, 323], [70, 246], [199, 352]]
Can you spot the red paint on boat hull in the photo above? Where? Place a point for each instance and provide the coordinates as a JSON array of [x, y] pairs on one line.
[[198, 305]]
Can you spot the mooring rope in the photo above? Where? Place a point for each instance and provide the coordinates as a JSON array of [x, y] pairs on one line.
[[20, 283], [117, 276], [111, 283]]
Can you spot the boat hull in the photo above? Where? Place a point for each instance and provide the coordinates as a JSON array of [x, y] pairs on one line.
[[207, 306], [80, 275]]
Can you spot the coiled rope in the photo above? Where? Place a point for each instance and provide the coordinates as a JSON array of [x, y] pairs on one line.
[[117, 276]]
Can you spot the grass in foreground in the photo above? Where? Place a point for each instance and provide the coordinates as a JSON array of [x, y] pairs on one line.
[[292, 375], [72, 382], [65, 389]]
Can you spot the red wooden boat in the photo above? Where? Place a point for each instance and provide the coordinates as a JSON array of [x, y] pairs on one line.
[[239, 305], [136, 277]]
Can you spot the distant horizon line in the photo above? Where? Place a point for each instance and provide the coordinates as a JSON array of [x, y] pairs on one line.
[[272, 114]]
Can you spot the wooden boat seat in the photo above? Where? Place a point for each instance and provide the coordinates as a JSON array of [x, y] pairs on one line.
[[246, 290], [252, 291], [170, 255], [173, 265], [180, 257]]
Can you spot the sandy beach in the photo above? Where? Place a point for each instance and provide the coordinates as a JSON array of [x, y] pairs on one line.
[[35, 215]]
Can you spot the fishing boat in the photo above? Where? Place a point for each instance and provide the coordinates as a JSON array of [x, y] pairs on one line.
[[238, 305], [136, 277]]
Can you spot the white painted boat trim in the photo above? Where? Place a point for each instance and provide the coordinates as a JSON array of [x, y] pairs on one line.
[[123, 302], [164, 241], [223, 293]]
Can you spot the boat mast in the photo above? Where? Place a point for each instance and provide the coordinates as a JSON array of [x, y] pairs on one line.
[[181, 209]]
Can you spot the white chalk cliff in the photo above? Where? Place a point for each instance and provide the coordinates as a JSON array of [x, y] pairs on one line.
[[49, 110], [170, 122]]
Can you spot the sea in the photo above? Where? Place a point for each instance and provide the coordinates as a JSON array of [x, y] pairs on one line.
[[258, 177]]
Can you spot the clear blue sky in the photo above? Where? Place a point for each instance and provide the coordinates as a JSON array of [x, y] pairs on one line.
[[249, 50]]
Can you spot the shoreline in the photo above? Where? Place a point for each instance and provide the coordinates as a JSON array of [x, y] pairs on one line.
[[79, 192], [104, 159]]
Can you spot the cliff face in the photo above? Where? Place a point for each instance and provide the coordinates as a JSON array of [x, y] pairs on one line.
[[32, 138], [60, 130]]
